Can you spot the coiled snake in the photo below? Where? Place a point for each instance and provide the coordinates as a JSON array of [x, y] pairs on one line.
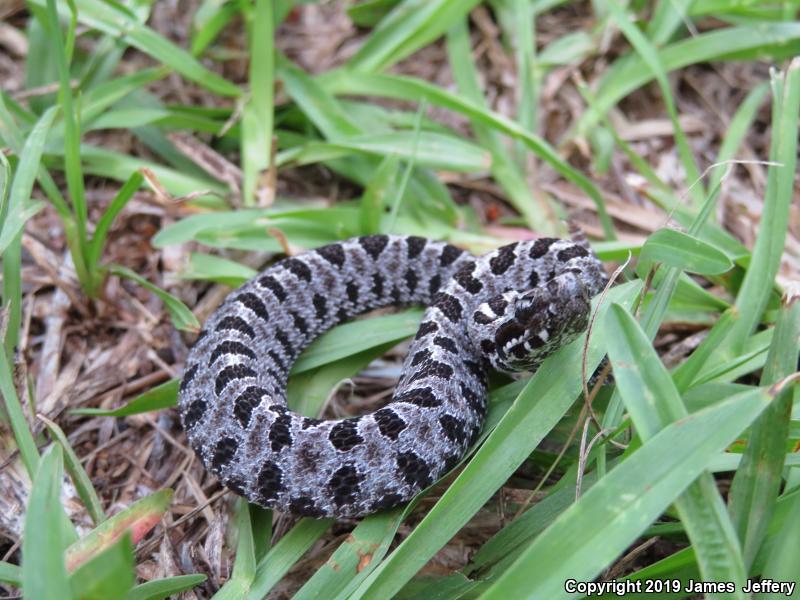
[[506, 310]]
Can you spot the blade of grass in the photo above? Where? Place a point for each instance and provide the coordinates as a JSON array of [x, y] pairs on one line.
[[758, 281], [677, 249], [16, 416], [659, 303], [736, 130], [107, 576], [355, 558], [158, 589], [182, 318], [61, 50], [19, 206], [117, 166], [756, 485], [161, 396], [285, 553], [257, 118], [504, 169], [138, 519], [10, 574], [783, 563], [308, 391], [115, 20], [654, 403], [434, 150], [669, 15], [652, 59], [408, 88], [630, 72], [517, 21], [425, 194], [98, 240], [376, 194], [207, 29], [410, 25], [215, 268], [396, 201], [79, 477], [594, 531], [348, 338], [44, 574], [244, 567]]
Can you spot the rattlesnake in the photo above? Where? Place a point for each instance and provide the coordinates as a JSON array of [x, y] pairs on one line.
[[506, 310]]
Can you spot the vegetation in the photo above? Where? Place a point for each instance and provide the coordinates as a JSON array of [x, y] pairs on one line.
[[684, 467]]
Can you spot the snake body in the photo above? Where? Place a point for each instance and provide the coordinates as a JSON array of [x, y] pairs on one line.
[[505, 310]]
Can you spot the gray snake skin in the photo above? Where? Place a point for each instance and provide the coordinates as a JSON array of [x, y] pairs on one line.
[[506, 310]]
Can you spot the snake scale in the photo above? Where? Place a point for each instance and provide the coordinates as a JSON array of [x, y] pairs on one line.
[[506, 310]]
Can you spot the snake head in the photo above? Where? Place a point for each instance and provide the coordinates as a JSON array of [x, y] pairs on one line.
[[516, 331]]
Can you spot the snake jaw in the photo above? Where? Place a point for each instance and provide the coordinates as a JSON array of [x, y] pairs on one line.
[[534, 323]]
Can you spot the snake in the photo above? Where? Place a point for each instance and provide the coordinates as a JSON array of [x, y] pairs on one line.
[[506, 310]]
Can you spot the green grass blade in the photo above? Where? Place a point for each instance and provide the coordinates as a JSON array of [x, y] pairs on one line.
[[285, 553], [783, 563], [504, 547], [377, 193], [681, 250], [16, 416], [355, 558], [79, 477], [411, 89], [631, 72], [137, 520], [158, 589], [685, 374], [244, 567], [757, 482], [107, 576], [257, 118], [735, 133], [44, 572], [594, 531], [411, 25], [425, 193], [758, 281], [504, 169], [181, 316], [669, 15], [10, 574], [434, 150], [348, 338], [653, 402], [104, 224], [72, 138], [319, 106], [114, 20], [369, 12], [308, 391], [517, 21], [541, 404], [19, 206], [161, 396], [652, 59], [215, 268], [206, 30]]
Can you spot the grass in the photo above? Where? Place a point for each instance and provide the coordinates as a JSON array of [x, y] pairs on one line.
[[690, 452]]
